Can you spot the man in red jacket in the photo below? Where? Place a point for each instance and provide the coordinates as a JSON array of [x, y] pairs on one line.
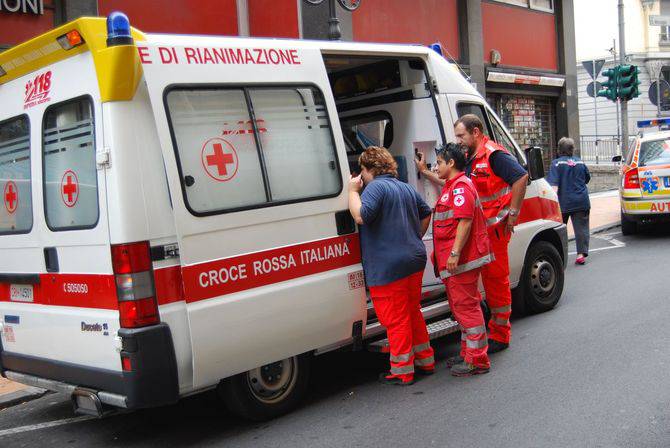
[[461, 249]]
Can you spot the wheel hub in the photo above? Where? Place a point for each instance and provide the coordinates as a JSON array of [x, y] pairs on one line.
[[269, 383], [543, 277]]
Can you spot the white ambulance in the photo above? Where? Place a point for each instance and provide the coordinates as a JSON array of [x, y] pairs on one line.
[[175, 209]]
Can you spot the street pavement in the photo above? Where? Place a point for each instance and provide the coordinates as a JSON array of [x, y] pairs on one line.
[[591, 373]]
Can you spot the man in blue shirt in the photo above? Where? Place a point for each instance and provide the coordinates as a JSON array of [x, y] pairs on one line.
[[393, 219], [569, 176]]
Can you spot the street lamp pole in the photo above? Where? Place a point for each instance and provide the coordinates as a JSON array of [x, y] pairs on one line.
[[334, 31]]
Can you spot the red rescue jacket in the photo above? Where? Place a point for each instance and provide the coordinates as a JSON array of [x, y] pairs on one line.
[[459, 200], [495, 194]]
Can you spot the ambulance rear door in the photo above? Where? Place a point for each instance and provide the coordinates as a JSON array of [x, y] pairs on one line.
[[257, 173]]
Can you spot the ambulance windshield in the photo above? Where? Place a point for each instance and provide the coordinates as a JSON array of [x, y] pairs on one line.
[[655, 152]]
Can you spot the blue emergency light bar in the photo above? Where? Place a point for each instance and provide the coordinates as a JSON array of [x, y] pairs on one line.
[[653, 123], [437, 48], [118, 29]]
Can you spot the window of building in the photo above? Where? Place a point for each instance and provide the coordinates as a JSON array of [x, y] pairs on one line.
[[540, 5], [243, 148], [664, 36], [70, 175], [16, 216]]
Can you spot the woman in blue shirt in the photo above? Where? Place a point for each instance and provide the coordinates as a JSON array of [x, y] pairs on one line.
[[393, 219], [569, 176]]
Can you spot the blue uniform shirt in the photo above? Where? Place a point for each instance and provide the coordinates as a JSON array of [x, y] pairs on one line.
[[391, 243], [570, 175]]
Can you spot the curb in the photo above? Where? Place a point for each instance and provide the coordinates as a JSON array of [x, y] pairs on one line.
[[21, 396], [600, 229]]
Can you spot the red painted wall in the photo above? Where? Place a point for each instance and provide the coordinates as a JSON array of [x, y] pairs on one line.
[[405, 21], [273, 18], [159, 16], [16, 28], [524, 38]]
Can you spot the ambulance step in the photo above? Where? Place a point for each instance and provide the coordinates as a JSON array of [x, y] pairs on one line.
[[435, 330]]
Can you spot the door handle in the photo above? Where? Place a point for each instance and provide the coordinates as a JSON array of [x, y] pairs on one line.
[[51, 259]]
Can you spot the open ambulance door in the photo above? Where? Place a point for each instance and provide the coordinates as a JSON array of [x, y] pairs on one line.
[[257, 174]]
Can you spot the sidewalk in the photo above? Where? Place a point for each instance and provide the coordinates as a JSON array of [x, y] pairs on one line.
[[605, 212], [12, 393]]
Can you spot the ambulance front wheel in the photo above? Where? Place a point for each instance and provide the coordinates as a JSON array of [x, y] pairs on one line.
[[267, 391], [542, 278]]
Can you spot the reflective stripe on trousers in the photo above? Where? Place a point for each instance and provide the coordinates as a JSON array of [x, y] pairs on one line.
[[401, 358], [470, 265], [402, 370]]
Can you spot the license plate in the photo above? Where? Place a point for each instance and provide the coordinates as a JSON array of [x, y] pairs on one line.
[[21, 293]]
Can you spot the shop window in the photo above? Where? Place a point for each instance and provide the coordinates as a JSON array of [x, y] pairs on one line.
[[245, 148], [70, 175], [16, 216], [540, 5], [478, 110]]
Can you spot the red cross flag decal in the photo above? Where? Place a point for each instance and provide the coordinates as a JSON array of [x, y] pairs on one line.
[[69, 188], [11, 195], [219, 159]]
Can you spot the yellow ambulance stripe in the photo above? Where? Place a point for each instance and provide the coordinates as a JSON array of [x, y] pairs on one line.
[[118, 68]]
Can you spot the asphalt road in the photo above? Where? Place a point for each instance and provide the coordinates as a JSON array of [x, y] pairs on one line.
[[591, 373]]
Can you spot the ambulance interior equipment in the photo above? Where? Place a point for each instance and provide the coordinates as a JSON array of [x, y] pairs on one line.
[[176, 219]]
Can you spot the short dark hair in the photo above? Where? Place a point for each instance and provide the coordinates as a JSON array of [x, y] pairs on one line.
[[470, 121], [566, 147], [452, 151]]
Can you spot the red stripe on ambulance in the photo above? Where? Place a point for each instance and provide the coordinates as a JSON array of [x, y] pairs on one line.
[[217, 278]]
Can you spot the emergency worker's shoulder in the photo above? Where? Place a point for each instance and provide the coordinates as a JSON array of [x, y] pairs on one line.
[[493, 146]]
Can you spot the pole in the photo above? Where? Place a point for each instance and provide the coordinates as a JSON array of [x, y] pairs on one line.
[[334, 32], [595, 105], [622, 60], [616, 107], [658, 93]]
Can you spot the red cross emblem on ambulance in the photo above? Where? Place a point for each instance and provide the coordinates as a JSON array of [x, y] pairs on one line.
[[219, 159], [11, 195], [69, 188]]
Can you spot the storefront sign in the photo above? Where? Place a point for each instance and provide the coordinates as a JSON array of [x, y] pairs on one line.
[[517, 78], [23, 6]]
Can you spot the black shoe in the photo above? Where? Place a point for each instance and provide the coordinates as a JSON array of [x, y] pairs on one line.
[[496, 346], [388, 378], [423, 372], [451, 362], [465, 369]]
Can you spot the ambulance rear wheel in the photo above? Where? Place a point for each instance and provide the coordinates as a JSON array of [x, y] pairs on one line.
[[267, 391], [542, 278], [628, 226]]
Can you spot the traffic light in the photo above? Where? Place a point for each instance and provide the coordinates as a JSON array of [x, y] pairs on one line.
[[610, 88], [628, 82]]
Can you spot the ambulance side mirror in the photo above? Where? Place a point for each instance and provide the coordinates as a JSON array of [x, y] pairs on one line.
[[535, 162]]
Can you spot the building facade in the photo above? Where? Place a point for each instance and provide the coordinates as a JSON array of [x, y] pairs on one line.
[[520, 54]]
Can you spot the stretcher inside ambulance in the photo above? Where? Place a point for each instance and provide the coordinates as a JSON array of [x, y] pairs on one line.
[[175, 213]]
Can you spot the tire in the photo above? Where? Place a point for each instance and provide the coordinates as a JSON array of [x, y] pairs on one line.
[[628, 226], [542, 278], [267, 391]]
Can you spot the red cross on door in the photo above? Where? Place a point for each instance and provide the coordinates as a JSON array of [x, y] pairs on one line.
[[219, 159], [69, 188], [11, 195]]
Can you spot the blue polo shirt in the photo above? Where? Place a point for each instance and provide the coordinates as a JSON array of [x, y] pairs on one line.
[[570, 175], [391, 243]]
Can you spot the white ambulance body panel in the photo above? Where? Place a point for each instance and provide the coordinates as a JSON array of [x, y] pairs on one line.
[[72, 334]]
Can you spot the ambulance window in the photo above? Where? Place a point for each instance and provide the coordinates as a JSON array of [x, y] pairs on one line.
[[217, 154], [504, 140], [243, 148], [475, 109], [297, 142], [16, 216], [70, 176]]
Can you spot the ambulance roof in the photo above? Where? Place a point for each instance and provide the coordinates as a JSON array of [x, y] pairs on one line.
[[44, 50]]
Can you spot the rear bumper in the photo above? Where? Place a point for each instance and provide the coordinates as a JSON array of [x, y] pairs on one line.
[[152, 382]]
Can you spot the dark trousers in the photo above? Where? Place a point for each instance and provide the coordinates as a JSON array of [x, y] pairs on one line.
[[580, 223]]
